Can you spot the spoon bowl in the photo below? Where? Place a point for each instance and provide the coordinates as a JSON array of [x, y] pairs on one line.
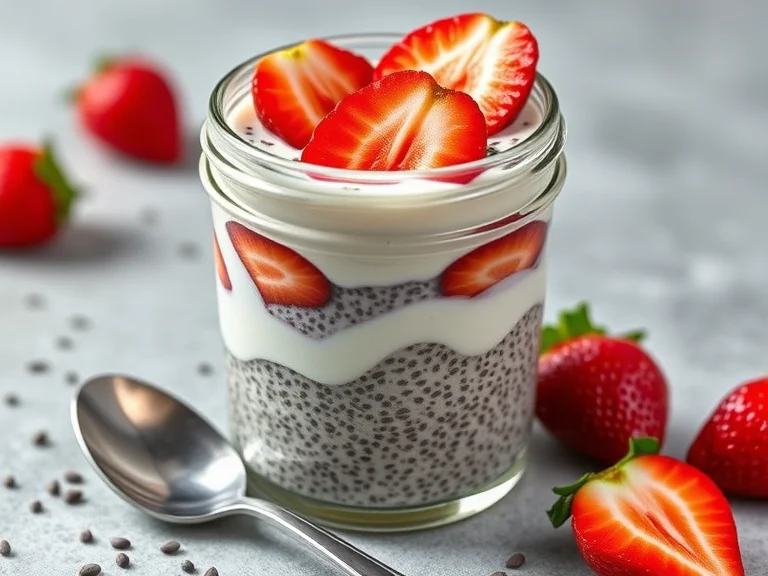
[[164, 458]]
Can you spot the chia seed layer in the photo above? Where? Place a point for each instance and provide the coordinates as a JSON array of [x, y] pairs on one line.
[[349, 306], [424, 425]]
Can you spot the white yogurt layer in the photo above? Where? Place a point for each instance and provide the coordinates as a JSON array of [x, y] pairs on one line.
[[469, 326]]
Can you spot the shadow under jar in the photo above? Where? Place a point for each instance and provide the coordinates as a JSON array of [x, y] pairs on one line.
[[382, 328]]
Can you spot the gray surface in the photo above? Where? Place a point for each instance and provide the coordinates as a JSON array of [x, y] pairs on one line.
[[662, 224]]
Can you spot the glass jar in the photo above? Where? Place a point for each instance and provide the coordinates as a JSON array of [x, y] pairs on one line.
[[382, 328]]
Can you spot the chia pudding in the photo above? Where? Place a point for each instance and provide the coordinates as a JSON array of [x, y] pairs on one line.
[[381, 328], [424, 425]]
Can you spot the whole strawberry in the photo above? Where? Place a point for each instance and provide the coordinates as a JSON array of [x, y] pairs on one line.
[[130, 106], [732, 446], [35, 197], [650, 515], [596, 391]]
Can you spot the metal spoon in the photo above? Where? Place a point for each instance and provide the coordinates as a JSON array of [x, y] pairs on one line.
[[161, 456]]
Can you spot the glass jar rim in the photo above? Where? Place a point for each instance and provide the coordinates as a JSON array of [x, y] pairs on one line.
[[540, 148]]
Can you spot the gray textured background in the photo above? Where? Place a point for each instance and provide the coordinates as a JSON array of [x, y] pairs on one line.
[[662, 224]]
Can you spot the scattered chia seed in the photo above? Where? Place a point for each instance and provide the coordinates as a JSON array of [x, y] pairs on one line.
[[41, 438], [90, 570], [204, 369], [122, 560], [120, 543], [54, 488], [11, 399], [491, 151], [71, 377], [34, 301], [516, 560], [36, 507], [38, 367], [170, 547], [10, 482], [80, 323], [211, 572], [526, 123], [86, 537], [189, 250], [5, 548], [267, 142], [187, 567], [65, 343], [73, 497], [73, 477]]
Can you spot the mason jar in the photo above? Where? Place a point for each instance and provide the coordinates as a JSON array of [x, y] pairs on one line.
[[381, 328]]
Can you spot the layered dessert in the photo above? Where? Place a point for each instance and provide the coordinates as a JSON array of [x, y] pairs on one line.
[[400, 382]]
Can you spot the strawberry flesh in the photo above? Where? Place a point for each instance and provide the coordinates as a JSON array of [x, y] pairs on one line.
[[282, 275], [221, 267], [295, 88], [491, 263], [732, 446], [402, 122], [492, 61], [650, 510]]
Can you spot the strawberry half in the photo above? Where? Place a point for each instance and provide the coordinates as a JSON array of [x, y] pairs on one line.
[[491, 263], [295, 88], [402, 122], [281, 275], [650, 514], [221, 267], [732, 446], [595, 392], [492, 61]]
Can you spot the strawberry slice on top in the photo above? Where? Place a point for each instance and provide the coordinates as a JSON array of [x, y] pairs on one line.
[[282, 275], [492, 61], [491, 263], [405, 121], [295, 88]]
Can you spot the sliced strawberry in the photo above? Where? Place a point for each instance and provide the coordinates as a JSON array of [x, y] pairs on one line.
[[403, 122], [491, 263], [492, 61], [295, 88], [281, 275], [221, 267], [650, 514]]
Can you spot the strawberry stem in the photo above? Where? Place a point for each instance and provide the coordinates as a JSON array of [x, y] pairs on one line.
[[574, 323], [101, 64], [561, 509], [47, 170]]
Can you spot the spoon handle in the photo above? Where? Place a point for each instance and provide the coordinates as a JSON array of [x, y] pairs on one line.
[[343, 555]]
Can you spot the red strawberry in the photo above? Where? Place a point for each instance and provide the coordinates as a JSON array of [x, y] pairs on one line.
[[732, 447], [596, 391], [281, 275], [130, 106], [221, 267], [403, 122], [650, 514], [295, 88], [35, 197], [491, 263], [492, 61]]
